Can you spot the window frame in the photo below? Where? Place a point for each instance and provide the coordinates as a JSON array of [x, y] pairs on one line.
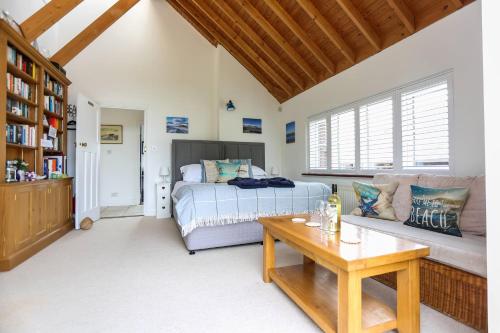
[[395, 94]]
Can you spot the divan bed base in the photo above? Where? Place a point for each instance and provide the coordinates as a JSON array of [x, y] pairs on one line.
[[454, 292]]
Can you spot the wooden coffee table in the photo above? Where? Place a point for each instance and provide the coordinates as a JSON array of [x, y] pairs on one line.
[[327, 286]]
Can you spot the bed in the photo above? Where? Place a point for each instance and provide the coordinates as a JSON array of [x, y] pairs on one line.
[[216, 215]]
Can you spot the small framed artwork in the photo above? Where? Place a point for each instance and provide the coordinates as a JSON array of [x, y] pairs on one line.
[[290, 132], [177, 125], [252, 125], [111, 134]]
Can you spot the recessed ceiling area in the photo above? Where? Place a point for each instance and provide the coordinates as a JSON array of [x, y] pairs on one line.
[[292, 45]]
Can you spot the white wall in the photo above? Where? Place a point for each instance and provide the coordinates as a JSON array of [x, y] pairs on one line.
[[119, 179], [452, 43]]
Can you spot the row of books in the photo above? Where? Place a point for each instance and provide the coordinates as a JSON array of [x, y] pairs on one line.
[[21, 134], [53, 142], [53, 105], [53, 85], [21, 62], [18, 86], [53, 164], [18, 108], [51, 121]]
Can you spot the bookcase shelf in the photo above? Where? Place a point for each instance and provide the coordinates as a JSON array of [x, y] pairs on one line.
[[52, 114], [46, 128], [21, 99], [19, 119], [16, 145], [49, 92], [19, 73]]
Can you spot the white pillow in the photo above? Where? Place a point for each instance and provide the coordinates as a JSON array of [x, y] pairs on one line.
[[258, 173], [191, 173]]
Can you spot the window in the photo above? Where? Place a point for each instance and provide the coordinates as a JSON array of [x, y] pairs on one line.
[[403, 129]]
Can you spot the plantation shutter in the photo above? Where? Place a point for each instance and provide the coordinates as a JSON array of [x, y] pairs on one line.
[[424, 118], [343, 140], [376, 135], [318, 158]]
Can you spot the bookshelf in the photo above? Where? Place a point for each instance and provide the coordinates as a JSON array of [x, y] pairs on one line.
[[33, 99]]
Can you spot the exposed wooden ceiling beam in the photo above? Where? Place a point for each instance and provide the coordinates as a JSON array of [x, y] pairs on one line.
[[278, 93], [301, 34], [94, 30], [204, 32], [278, 38], [46, 17], [404, 13], [242, 44], [257, 40], [328, 29], [361, 23], [458, 3]]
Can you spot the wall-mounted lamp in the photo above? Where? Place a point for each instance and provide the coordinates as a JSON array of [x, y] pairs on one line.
[[275, 171], [230, 106]]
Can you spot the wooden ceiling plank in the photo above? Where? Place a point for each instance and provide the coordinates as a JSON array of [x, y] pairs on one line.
[[328, 29], [301, 34], [457, 3], [94, 30], [257, 40], [404, 13], [204, 32], [361, 23], [46, 17], [278, 38], [202, 21], [242, 44]]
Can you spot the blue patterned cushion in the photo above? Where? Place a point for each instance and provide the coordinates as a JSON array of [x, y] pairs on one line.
[[375, 200], [227, 171], [245, 169], [437, 209]]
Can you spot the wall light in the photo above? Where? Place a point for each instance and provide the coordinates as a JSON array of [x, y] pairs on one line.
[[230, 106]]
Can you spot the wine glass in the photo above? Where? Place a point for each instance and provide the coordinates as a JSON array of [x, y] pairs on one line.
[[320, 210]]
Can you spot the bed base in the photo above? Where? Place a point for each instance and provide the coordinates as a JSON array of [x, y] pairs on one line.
[[451, 291]]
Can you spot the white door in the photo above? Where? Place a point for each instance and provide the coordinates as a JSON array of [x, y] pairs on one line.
[[88, 119]]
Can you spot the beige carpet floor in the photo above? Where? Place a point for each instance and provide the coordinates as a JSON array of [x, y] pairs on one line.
[[135, 275]]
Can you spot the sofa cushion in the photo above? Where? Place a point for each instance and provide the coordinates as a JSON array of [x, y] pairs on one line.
[[440, 181], [375, 200], [402, 197], [473, 217], [467, 253]]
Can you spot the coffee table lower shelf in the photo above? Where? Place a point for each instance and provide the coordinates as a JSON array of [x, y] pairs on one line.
[[314, 289]]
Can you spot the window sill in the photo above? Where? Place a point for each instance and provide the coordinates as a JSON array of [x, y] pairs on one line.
[[346, 175]]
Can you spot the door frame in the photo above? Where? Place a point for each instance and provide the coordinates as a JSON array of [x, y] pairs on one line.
[[146, 112]]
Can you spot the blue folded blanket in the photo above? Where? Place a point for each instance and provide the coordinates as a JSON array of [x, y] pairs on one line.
[[248, 183], [280, 182]]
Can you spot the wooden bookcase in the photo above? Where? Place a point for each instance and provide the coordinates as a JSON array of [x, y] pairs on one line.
[[32, 214]]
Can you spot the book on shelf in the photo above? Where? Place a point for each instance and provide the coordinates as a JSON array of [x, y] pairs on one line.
[[21, 62], [18, 87], [51, 104], [53, 164], [21, 134], [50, 143], [18, 108], [53, 85]]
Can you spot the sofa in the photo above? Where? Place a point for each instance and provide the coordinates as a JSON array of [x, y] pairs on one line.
[[453, 277]]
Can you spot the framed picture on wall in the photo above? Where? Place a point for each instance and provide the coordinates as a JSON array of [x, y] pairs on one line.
[[252, 125], [290, 132], [179, 125], [111, 134]]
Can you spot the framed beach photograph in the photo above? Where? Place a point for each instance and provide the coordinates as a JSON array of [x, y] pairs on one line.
[[178, 125], [290, 132], [111, 134], [252, 125]]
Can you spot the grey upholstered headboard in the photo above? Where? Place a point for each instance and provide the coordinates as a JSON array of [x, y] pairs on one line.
[[186, 152]]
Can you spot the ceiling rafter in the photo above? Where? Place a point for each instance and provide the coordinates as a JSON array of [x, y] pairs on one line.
[[45, 17], [458, 3], [94, 30], [204, 32], [242, 44], [328, 29], [203, 21], [361, 23], [257, 40], [278, 38], [404, 13], [302, 35]]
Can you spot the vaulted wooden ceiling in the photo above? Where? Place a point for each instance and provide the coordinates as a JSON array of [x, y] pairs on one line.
[[292, 45]]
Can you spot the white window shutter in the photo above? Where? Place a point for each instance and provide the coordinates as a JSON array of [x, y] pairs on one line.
[[424, 120], [318, 150], [376, 135], [343, 140]]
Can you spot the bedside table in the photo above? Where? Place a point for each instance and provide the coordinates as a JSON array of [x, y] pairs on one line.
[[163, 200]]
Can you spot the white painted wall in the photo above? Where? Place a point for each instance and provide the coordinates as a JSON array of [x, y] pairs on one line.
[[452, 43], [119, 180]]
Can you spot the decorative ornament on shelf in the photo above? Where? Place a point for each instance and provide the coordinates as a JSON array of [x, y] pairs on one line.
[[230, 106], [164, 174], [275, 171]]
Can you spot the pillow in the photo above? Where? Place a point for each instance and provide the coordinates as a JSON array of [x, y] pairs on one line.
[[258, 173], [191, 173], [245, 168], [209, 172], [402, 197], [227, 171], [375, 200], [437, 209]]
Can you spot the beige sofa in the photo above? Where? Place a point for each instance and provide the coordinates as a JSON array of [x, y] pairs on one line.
[[454, 275]]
